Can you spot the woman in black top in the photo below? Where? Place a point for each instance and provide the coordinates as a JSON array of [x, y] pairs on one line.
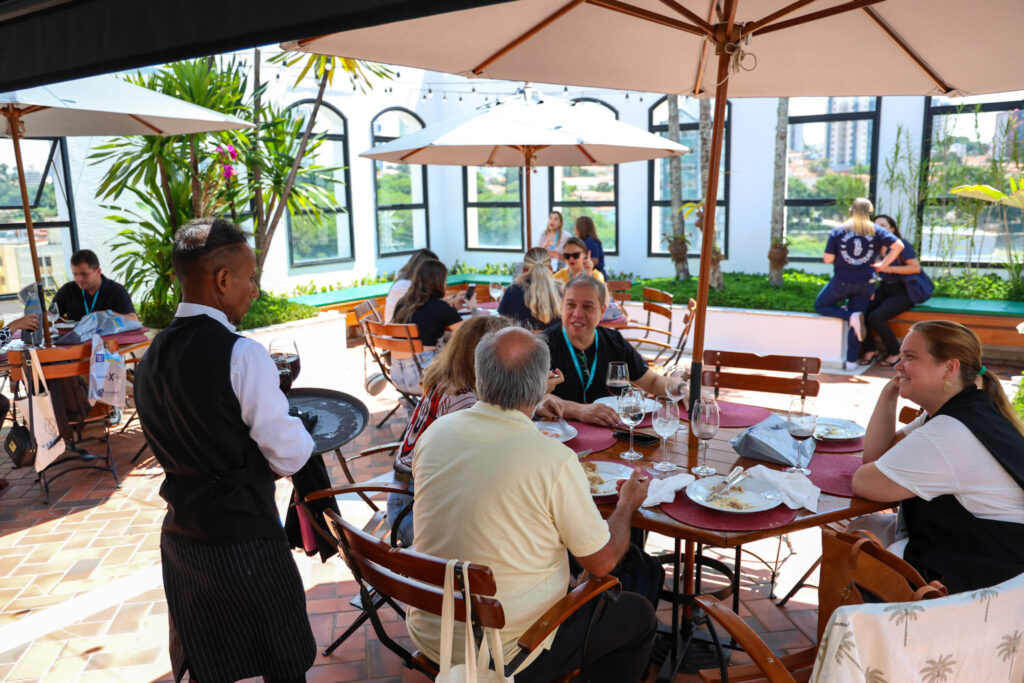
[[425, 306], [534, 298], [890, 299]]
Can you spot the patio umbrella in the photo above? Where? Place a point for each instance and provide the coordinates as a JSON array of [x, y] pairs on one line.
[[527, 131], [720, 48], [101, 105]]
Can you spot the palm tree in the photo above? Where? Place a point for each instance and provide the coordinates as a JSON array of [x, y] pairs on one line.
[[1008, 647], [874, 676], [985, 594], [938, 670], [677, 242], [846, 647], [779, 251], [904, 614]]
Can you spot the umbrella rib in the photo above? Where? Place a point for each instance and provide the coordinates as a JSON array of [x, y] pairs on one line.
[[692, 16], [147, 124], [494, 153], [415, 151], [516, 42], [705, 46], [586, 154], [902, 44], [788, 9], [647, 15], [32, 109], [814, 16]]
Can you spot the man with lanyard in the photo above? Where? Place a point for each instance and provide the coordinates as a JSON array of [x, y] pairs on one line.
[[91, 291], [209, 402], [581, 351]]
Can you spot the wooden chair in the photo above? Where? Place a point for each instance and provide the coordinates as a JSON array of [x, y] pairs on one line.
[[858, 566], [65, 362], [620, 290], [654, 342], [381, 339], [417, 580], [368, 310]]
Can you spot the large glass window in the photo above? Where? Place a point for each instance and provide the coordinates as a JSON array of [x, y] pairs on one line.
[[831, 159], [329, 239], [589, 190], [52, 206], [494, 212], [400, 190], [660, 198], [972, 141]]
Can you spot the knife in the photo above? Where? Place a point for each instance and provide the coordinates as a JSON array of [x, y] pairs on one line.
[[727, 483], [583, 454]]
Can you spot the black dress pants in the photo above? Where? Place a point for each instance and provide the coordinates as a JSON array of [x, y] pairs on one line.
[[890, 300], [619, 649]]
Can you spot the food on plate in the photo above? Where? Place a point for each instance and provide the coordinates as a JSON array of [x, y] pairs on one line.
[[596, 480], [552, 433], [730, 503], [832, 430]]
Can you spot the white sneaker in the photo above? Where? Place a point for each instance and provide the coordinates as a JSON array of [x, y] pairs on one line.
[[857, 323]]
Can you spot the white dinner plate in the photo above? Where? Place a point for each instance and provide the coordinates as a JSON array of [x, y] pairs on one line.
[[563, 431], [755, 496], [650, 405], [837, 429], [611, 472]]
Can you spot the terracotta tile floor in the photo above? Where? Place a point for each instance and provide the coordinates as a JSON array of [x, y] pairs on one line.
[[81, 595]]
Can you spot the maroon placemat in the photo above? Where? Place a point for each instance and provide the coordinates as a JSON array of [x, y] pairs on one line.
[[593, 437], [490, 305], [833, 472], [125, 338], [737, 414], [847, 446], [688, 512]]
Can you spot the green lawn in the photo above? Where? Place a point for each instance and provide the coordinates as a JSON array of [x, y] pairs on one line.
[[747, 290]]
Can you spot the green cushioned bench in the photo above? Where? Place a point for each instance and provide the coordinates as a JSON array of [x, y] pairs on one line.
[[995, 322]]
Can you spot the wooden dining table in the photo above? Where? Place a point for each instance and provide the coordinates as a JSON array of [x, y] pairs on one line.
[[723, 457]]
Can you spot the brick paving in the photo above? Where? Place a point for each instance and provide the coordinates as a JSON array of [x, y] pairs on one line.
[[81, 597]]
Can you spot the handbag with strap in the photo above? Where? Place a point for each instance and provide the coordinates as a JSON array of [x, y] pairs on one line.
[[18, 444], [38, 406], [919, 286], [476, 667]]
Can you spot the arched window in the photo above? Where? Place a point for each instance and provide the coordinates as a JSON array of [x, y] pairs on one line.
[[589, 190], [659, 194], [400, 189], [831, 159], [312, 241]]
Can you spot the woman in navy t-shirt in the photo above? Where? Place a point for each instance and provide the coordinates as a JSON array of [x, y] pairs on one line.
[[890, 299], [587, 231], [852, 248]]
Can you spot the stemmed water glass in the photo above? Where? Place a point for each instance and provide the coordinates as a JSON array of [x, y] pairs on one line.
[[630, 407], [666, 423], [495, 289], [676, 384], [800, 422], [704, 421], [617, 377]]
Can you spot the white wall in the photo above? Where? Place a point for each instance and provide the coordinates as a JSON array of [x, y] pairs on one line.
[[752, 149]]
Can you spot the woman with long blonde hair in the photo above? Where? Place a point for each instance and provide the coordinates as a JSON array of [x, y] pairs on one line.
[[534, 298], [852, 248], [958, 469]]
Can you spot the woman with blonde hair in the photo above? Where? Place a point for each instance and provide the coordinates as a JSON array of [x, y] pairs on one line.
[[958, 469], [449, 385], [534, 299], [851, 249]]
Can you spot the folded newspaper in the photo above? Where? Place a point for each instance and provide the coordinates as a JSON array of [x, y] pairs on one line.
[[769, 440], [98, 322]]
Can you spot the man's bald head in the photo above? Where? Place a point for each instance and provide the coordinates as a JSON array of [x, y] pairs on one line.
[[205, 246], [512, 368]]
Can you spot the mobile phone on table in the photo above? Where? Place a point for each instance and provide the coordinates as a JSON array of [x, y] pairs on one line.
[[641, 439], [470, 291]]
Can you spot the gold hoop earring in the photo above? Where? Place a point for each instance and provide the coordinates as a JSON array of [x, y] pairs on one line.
[[947, 387]]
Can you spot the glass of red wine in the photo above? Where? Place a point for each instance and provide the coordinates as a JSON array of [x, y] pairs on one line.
[[284, 373], [285, 353]]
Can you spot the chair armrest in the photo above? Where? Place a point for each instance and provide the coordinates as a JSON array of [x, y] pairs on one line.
[[652, 342], [767, 661], [646, 328], [355, 488], [799, 664], [563, 609], [373, 450]]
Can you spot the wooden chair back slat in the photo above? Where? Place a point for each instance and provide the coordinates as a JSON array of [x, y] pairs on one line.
[[796, 386], [391, 344], [752, 361], [908, 414], [658, 296], [620, 289], [658, 309], [413, 578], [368, 310], [393, 337]]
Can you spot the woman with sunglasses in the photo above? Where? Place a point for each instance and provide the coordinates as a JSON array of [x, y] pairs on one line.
[[574, 251]]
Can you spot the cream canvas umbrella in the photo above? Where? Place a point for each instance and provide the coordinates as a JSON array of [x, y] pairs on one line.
[[100, 105], [527, 131], [719, 48]]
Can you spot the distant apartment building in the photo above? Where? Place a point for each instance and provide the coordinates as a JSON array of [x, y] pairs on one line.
[[848, 143], [1008, 137]]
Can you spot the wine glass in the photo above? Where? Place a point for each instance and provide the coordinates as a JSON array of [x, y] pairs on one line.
[[800, 422], [676, 385], [704, 423], [618, 377], [284, 373], [666, 423], [495, 289], [630, 407], [285, 348]]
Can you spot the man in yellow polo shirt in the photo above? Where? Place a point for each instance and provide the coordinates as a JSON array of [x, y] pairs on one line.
[[491, 489]]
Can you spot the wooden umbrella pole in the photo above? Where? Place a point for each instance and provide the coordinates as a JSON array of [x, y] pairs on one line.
[[528, 154], [14, 121]]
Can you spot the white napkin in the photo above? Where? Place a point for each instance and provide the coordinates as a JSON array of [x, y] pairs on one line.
[[664, 490], [797, 489]]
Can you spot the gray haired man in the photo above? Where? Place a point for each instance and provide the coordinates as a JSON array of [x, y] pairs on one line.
[[491, 489]]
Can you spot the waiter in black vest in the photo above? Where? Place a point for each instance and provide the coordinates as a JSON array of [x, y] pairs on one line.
[[209, 402]]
